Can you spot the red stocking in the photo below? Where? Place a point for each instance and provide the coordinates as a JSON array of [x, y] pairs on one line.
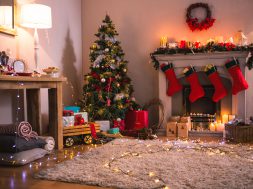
[[197, 90], [220, 91], [174, 85], [239, 82]]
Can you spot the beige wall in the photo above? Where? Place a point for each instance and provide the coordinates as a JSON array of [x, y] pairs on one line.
[[60, 46], [141, 23]]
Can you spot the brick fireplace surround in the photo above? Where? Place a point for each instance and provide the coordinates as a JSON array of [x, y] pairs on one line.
[[241, 103]]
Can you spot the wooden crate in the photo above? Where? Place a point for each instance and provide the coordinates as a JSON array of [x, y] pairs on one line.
[[79, 130], [239, 133]]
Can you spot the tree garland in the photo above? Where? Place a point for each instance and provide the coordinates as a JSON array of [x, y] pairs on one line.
[[210, 47], [194, 23]]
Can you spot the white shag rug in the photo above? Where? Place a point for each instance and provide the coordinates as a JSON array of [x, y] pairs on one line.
[[126, 163]]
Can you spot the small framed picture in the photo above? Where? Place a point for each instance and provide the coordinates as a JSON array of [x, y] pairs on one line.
[[19, 66]]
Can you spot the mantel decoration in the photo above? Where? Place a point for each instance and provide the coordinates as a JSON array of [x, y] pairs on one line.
[[187, 47], [195, 23]]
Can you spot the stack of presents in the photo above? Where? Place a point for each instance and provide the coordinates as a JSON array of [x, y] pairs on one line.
[[76, 122], [178, 126]]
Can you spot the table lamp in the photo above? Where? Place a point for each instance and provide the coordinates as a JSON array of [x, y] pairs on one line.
[[36, 16]]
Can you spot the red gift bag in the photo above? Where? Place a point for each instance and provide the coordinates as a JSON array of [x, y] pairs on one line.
[[136, 120]]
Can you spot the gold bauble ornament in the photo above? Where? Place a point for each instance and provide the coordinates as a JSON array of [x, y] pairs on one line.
[[125, 70], [101, 111], [94, 46], [118, 85]]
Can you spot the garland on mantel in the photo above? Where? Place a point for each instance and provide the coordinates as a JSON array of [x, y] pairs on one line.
[[211, 47]]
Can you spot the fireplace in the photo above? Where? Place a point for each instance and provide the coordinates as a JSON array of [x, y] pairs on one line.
[[204, 105], [179, 104]]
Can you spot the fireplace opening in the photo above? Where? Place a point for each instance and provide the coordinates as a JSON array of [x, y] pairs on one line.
[[204, 105], [204, 110]]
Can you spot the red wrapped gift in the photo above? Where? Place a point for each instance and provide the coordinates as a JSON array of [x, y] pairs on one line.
[[136, 120], [68, 113], [120, 124]]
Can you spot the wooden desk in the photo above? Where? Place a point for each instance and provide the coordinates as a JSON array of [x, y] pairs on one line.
[[32, 85]]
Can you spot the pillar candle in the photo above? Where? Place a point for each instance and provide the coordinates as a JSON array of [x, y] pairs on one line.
[[163, 42], [220, 127], [224, 118], [212, 127]]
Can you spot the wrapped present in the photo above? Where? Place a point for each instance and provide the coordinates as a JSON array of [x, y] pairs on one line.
[[136, 120], [75, 109], [68, 113], [119, 124], [104, 125], [68, 121], [185, 119], [113, 130], [79, 119], [171, 129], [84, 115], [182, 129]]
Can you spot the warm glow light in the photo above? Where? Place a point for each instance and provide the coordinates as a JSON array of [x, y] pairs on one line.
[[163, 42], [6, 16], [36, 16], [224, 118]]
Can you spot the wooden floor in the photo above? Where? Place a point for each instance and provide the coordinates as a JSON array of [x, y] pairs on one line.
[[22, 177]]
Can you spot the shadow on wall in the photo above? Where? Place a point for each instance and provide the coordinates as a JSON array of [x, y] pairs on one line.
[[71, 87], [139, 68]]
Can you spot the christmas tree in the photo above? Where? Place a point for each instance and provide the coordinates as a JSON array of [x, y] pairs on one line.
[[107, 89]]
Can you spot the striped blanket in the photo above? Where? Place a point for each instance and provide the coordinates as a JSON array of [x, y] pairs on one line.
[[24, 129]]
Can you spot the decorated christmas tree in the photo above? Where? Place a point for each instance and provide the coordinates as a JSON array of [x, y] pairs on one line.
[[107, 90]]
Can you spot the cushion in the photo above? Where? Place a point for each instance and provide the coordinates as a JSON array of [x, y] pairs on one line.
[[14, 144], [22, 158]]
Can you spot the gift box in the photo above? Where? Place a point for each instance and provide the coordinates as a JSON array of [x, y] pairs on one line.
[[84, 116], [182, 129], [75, 109], [104, 125], [171, 129], [113, 131], [68, 121], [136, 120], [68, 113], [119, 124]]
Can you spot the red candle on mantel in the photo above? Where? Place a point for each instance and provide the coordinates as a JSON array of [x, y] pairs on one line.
[[197, 44], [182, 44]]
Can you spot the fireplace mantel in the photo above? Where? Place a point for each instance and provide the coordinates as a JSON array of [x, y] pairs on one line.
[[199, 60]]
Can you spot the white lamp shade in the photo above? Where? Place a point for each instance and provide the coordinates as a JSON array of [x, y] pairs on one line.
[[35, 16], [6, 16]]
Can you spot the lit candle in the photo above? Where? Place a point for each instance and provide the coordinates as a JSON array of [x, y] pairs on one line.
[[212, 127], [220, 127], [163, 42], [219, 39], [224, 118]]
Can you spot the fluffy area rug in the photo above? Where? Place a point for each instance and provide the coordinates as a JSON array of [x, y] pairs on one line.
[[126, 163]]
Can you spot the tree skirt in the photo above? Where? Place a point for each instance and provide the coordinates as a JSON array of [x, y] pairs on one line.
[[126, 163]]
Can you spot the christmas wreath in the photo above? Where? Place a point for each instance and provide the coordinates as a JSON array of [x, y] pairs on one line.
[[194, 23]]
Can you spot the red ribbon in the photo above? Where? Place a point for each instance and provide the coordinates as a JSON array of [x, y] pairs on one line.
[[93, 131]]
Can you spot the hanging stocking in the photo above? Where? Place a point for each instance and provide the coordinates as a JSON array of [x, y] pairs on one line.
[[174, 85], [219, 89], [197, 90], [239, 82]]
